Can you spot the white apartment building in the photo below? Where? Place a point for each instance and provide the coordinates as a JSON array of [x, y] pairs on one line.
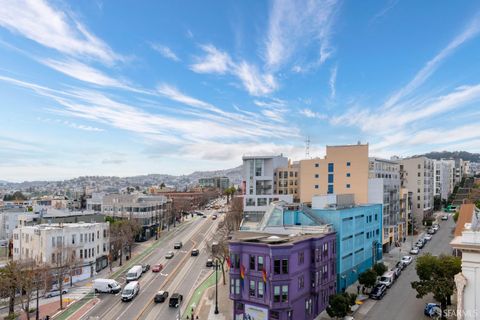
[[83, 245], [468, 290], [9, 221], [149, 211], [259, 182], [458, 174], [384, 188], [417, 175], [444, 178]]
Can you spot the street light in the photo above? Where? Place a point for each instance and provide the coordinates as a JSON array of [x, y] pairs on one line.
[[216, 286]]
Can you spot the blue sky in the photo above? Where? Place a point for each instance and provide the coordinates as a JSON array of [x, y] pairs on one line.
[[125, 88]]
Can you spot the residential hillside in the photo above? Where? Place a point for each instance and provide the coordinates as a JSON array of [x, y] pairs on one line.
[[473, 157]]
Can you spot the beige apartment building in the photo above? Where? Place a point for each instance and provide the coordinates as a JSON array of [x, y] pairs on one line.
[[417, 175], [286, 180], [344, 170]]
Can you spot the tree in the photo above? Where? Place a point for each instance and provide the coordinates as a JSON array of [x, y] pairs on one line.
[[340, 304], [455, 216], [379, 268], [219, 248], [61, 268], [368, 278], [437, 277], [234, 216], [10, 282], [229, 192]]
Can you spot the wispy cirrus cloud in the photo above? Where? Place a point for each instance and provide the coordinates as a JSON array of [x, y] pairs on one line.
[[293, 24], [55, 29], [332, 82], [309, 113], [470, 31], [382, 13], [165, 51], [217, 61]]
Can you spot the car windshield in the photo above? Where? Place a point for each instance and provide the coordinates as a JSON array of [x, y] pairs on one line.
[[131, 275], [384, 279], [127, 291]]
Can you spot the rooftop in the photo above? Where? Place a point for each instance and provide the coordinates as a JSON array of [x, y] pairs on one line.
[[465, 216], [54, 226], [272, 238]]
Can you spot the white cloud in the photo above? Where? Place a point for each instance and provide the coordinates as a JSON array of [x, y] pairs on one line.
[[165, 51], [309, 113], [254, 82], [83, 72], [429, 68], [390, 5], [53, 28], [332, 82], [219, 62], [215, 61], [295, 24]]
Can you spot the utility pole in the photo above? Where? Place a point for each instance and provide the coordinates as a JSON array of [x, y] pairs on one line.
[[216, 286]]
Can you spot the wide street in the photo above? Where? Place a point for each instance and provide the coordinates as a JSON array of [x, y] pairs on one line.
[[180, 274], [400, 302]]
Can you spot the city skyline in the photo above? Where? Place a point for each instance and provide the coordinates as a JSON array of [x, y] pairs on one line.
[[99, 89]]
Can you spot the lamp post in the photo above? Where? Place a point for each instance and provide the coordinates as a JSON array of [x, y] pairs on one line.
[[216, 286]]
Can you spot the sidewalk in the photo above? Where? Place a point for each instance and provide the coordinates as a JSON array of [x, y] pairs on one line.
[[206, 308]]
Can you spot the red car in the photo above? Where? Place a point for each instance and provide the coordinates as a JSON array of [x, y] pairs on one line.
[[157, 268]]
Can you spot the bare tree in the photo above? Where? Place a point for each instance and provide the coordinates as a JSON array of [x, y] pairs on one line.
[[28, 284], [234, 216], [61, 268]]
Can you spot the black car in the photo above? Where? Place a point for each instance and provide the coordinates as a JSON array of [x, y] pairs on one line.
[[195, 252], [177, 245], [161, 296], [175, 300], [145, 268], [378, 292]]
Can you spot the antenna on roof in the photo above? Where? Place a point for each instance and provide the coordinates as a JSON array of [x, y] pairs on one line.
[[307, 147]]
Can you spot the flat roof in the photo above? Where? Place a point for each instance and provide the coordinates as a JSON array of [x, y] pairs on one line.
[[272, 238]]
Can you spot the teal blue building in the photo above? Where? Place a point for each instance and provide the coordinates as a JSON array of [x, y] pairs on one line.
[[359, 236]]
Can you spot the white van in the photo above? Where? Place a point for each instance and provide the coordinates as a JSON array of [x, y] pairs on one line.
[[106, 286], [388, 278], [134, 273], [130, 291]]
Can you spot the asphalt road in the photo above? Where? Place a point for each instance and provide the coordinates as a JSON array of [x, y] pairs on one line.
[[400, 302], [173, 277]]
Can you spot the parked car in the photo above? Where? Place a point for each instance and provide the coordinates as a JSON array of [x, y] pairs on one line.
[[209, 263], [157, 267], [414, 250], [406, 260], [432, 310], [444, 217], [436, 227], [169, 255], [54, 293], [400, 265], [195, 252], [397, 270], [214, 217], [175, 300], [145, 267], [178, 245], [130, 291], [378, 292], [161, 296], [388, 278], [419, 244], [428, 237], [431, 231]]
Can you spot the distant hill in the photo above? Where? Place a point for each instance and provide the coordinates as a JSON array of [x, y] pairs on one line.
[[473, 157]]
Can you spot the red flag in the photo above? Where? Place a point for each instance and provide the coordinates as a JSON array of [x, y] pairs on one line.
[[242, 272], [264, 275], [229, 263]]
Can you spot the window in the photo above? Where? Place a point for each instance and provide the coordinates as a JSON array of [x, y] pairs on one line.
[[53, 257], [285, 293], [325, 249], [252, 262], [285, 266], [330, 188], [260, 263], [276, 266], [301, 257], [418, 205], [73, 238], [330, 167], [237, 286], [330, 178], [251, 290], [348, 185], [232, 286], [276, 294], [98, 234], [260, 289], [81, 237], [317, 165], [104, 233], [348, 174], [274, 315], [348, 164], [317, 175], [53, 241], [301, 282], [316, 186]]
